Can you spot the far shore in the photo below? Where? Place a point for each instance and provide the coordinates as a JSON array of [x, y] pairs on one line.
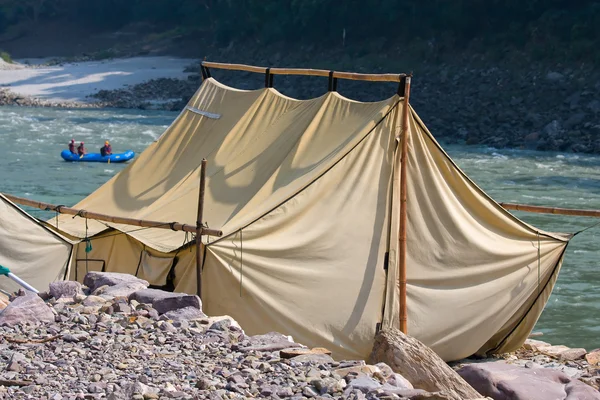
[[75, 82]]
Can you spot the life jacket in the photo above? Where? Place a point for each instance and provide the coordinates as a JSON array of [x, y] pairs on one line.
[[72, 148], [103, 151]]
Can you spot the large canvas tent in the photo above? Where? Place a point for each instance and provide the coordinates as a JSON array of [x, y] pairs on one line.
[[30, 250], [309, 197]]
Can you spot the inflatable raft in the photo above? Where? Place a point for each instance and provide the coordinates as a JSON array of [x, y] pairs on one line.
[[97, 157]]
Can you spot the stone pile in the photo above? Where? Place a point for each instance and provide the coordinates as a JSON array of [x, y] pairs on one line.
[[116, 339]]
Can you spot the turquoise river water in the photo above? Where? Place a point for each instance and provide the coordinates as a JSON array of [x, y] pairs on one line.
[[30, 166]]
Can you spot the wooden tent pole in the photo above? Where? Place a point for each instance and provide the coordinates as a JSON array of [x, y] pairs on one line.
[[551, 210], [403, 210], [199, 228], [306, 72], [176, 226]]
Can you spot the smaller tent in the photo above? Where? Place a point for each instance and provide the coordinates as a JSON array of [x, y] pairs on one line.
[[30, 250]]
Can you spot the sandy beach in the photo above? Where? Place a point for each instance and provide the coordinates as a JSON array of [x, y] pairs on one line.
[[73, 82]]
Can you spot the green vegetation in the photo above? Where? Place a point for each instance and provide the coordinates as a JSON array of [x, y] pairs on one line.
[[6, 57], [558, 29]]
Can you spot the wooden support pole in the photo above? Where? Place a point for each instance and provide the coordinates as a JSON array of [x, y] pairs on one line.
[[199, 228], [551, 210], [176, 226], [307, 72], [403, 210]]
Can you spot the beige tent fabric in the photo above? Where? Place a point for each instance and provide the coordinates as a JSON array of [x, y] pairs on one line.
[[306, 193], [29, 250], [155, 269], [472, 267], [118, 252]]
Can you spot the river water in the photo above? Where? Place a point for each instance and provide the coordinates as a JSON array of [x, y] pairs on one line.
[[30, 166]]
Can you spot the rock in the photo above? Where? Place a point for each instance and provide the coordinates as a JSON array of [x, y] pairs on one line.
[[358, 369], [148, 296], [593, 357], [553, 129], [400, 382], [184, 314], [93, 301], [232, 322], [365, 384], [94, 280], [532, 137], [574, 120], [554, 76], [76, 337], [500, 380], [594, 106], [139, 388], [535, 345], [573, 354], [123, 290], [29, 308], [419, 364], [294, 352], [167, 304], [65, 289], [222, 325], [314, 358], [563, 352], [271, 341]]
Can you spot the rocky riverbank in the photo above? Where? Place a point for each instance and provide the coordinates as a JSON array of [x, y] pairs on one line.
[[530, 108], [506, 105], [116, 339]]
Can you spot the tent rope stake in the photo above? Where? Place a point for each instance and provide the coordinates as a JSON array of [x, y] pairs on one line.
[[176, 226], [403, 210]]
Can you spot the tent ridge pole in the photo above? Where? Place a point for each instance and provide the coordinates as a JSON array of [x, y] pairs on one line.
[[199, 228], [403, 210]]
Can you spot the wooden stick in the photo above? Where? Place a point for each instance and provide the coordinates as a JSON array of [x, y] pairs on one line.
[[176, 226], [403, 211], [199, 229], [44, 340], [551, 210], [235, 67], [14, 382], [307, 72]]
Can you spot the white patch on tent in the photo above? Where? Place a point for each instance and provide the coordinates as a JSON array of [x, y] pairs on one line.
[[204, 113]]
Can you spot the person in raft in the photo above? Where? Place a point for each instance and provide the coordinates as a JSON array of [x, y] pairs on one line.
[[106, 150], [81, 150], [72, 148]]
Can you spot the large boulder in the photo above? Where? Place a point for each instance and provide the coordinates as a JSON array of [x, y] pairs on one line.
[[419, 365], [94, 280], [502, 381], [164, 302], [28, 308], [65, 289]]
